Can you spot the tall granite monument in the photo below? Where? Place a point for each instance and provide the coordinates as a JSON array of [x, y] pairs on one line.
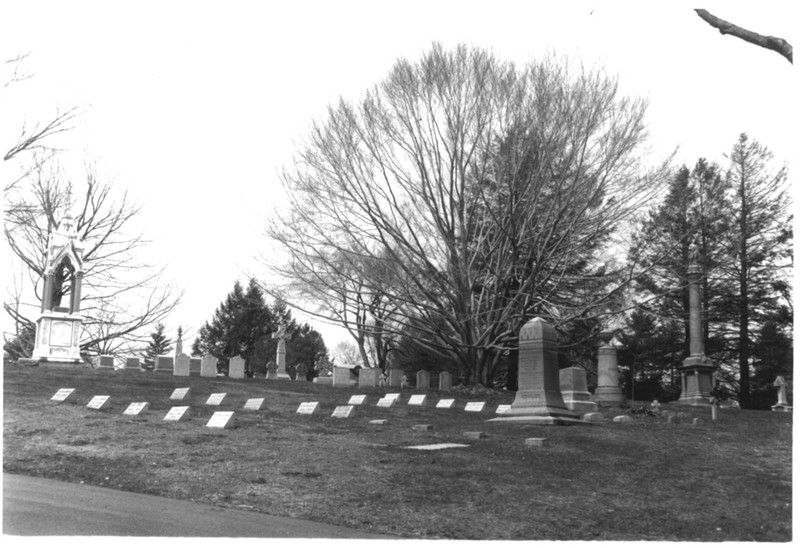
[[697, 371], [280, 358], [58, 328]]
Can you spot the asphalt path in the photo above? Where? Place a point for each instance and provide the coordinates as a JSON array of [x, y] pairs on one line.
[[45, 507]]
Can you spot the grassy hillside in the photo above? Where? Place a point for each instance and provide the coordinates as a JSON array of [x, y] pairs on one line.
[[718, 481]]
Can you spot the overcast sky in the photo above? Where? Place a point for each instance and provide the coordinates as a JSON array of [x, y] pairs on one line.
[[194, 107]]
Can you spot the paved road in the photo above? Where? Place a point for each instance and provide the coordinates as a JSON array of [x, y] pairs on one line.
[[44, 507]]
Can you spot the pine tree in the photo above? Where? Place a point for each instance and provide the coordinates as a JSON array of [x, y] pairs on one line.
[[158, 345]]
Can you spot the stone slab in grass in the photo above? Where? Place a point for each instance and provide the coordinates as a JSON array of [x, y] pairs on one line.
[[386, 402], [62, 395], [379, 422], [416, 399], [98, 402], [422, 427], [342, 412], [177, 414], [221, 419], [445, 404], [625, 419], [534, 442], [436, 446], [357, 399], [254, 404], [307, 407], [393, 396], [475, 406], [594, 417], [474, 435], [216, 399], [136, 408], [503, 408], [179, 394]]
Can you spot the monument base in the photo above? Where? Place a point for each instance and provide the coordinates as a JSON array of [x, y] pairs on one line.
[[697, 380], [581, 406], [61, 363], [539, 419], [609, 396], [782, 408], [282, 375]]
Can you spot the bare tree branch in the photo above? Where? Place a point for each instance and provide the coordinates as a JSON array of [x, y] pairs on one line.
[[773, 43]]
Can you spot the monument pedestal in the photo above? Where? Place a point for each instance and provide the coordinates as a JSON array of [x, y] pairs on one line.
[[697, 380], [57, 339]]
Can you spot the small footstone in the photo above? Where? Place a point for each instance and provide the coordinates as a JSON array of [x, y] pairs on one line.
[[593, 417], [622, 418], [534, 442], [422, 427], [379, 421], [474, 435]]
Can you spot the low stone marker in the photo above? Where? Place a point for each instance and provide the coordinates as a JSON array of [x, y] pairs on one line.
[[165, 364], [379, 422], [195, 365], [179, 394], [307, 407], [106, 362], [357, 400], [623, 419], [254, 404], [368, 377], [342, 411], [341, 376], [593, 417], [98, 402], [475, 406], [177, 413], [417, 399], [534, 442], [423, 380], [221, 419], [395, 378], [136, 408], [62, 394], [395, 396], [503, 408], [236, 368], [132, 363], [181, 368], [386, 402], [445, 380], [474, 435], [437, 446], [422, 427], [208, 366], [576, 395], [216, 399], [445, 404]]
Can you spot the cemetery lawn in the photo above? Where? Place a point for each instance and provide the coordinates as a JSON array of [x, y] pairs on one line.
[[728, 480]]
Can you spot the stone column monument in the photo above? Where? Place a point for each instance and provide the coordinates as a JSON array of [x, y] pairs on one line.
[[783, 403], [58, 328], [538, 397], [608, 391], [697, 371], [280, 358]]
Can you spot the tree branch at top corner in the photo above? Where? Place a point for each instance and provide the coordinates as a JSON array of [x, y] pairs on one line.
[[773, 43]]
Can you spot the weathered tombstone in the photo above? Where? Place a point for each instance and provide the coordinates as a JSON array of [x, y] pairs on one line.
[[538, 398], [341, 376], [132, 363], [216, 399], [572, 381], [221, 419], [136, 408], [208, 366], [445, 404], [307, 408], [357, 399], [783, 403], [697, 371], [622, 419], [594, 417], [280, 356], [177, 413], [181, 365], [445, 380], [254, 404], [608, 391], [236, 368], [165, 364], [98, 402], [475, 406], [417, 399], [179, 394], [379, 422], [385, 402], [423, 380], [106, 362], [272, 370], [62, 394], [195, 365], [368, 377], [395, 378], [502, 409], [342, 411]]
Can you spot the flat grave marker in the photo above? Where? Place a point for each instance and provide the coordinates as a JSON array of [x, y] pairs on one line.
[[62, 394], [342, 411], [307, 407], [416, 399], [393, 396], [385, 402], [221, 419], [216, 399], [475, 406], [177, 413], [357, 400], [179, 394], [435, 446], [254, 404], [503, 408], [445, 404], [98, 402], [136, 407]]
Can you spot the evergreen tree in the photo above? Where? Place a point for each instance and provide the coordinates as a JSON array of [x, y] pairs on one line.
[[158, 346], [305, 345]]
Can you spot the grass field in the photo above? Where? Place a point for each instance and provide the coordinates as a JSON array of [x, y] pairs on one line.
[[717, 481]]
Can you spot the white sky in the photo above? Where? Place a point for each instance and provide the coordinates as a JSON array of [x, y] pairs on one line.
[[195, 106]]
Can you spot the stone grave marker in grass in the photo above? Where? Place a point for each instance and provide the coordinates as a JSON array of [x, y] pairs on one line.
[[437, 446], [341, 376], [178, 413], [98, 402], [181, 365], [254, 404], [417, 399], [623, 419], [179, 394], [216, 399], [165, 364], [236, 368], [445, 380], [423, 380], [136, 408], [395, 396], [385, 402], [445, 404], [534, 442], [395, 377], [132, 363], [342, 411], [357, 399], [503, 408], [307, 407], [474, 435], [208, 366], [379, 422], [106, 362], [368, 377], [475, 406], [574, 390], [422, 427], [62, 394], [221, 419], [195, 365]]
